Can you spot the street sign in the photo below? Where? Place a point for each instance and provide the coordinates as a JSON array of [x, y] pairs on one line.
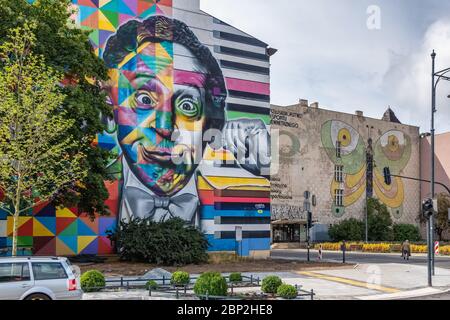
[[435, 206], [436, 248]]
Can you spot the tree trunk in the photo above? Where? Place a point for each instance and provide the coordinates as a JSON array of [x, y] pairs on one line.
[[16, 217], [15, 232]]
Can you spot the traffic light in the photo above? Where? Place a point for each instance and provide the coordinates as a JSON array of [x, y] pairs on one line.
[[427, 208], [387, 176], [310, 224]]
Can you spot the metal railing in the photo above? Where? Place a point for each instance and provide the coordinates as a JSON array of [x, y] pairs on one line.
[[165, 286]]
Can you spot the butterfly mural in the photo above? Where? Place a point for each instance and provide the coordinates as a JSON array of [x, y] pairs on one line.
[[392, 149]]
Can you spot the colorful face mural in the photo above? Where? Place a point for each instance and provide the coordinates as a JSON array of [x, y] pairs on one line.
[[161, 112], [392, 149], [167, 91]]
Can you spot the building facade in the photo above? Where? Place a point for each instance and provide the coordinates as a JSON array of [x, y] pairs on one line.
[[171, 66], [325, 167], [442, 163]]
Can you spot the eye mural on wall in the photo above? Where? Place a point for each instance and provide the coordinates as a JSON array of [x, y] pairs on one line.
[[392, 149]]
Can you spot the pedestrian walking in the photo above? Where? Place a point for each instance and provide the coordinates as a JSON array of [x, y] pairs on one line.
[[406, 250]]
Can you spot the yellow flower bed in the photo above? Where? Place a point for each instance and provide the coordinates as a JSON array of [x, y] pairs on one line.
[[419, 248], [445, 250], [378, 247], [328, 246]]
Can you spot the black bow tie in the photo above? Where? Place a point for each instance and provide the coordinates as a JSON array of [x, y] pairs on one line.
[[159, 209]]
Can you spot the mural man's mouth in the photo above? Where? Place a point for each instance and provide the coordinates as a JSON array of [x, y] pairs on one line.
[[156, 155]]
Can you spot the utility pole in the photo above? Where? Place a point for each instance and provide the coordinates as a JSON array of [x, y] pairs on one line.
[[433, 111]]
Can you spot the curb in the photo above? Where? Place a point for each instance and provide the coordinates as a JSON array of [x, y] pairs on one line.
[[423, 292]]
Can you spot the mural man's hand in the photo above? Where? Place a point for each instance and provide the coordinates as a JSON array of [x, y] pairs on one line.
[[249, 141]]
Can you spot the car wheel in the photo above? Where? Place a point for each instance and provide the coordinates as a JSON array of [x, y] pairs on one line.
[[38, 296]]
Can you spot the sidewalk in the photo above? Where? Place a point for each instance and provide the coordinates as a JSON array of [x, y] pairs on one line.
[[362, 282]]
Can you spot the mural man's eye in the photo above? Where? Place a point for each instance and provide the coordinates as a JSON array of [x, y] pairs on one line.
[[145, 99], [188, 106]]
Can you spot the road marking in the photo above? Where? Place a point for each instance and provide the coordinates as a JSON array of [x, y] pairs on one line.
[[349, 282]]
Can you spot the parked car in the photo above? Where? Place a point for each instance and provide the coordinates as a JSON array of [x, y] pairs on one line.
[[38, 278]]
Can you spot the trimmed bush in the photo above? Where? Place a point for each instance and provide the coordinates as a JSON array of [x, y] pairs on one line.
[[212, 284], [151, 285], [92, 281], [180, 278], [271, 284], [236, 277], [170, 243], [404, 232], [287, 291]]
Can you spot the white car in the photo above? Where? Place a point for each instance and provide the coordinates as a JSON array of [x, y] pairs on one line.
[[39, 278]]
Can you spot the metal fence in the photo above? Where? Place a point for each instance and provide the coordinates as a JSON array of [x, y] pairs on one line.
[[185, 291]]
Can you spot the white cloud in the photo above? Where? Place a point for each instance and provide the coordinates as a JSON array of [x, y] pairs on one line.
[[408, 80], [327, 54]]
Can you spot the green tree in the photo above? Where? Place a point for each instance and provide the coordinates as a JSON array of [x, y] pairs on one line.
[[441, 219], [349, 230], [67, 50], [404, 232], [38, 157], [379, 221]]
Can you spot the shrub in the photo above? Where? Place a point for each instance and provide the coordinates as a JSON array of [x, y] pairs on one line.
[[92, 281], [212, 284], [235, 277], [151, 285], [349, 230], [270, 284], [404, 232], [287, 291], [379, 221], [180, 278], [168, 243]]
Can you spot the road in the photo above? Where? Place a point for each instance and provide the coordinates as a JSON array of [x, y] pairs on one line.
[[360, 258]]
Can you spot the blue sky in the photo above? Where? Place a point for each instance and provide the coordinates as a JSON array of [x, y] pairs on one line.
[[328, 54]]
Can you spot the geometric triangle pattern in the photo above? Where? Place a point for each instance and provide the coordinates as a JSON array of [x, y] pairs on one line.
[[60, 236]]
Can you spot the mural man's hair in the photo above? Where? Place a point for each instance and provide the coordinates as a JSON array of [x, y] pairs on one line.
[[159, 29]]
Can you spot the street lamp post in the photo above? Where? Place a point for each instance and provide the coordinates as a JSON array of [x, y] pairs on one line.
[[435, 78]]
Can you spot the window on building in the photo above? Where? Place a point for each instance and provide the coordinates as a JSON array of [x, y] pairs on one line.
[[338, 149], [339, 173], [339, 197]]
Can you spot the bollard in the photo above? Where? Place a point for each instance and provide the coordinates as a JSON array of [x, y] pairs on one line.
[[312, 294], [164, 280], [343, 248], [121, 281]]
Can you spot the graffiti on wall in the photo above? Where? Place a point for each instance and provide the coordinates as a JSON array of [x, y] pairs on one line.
[[176, 152], [392, 149]]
